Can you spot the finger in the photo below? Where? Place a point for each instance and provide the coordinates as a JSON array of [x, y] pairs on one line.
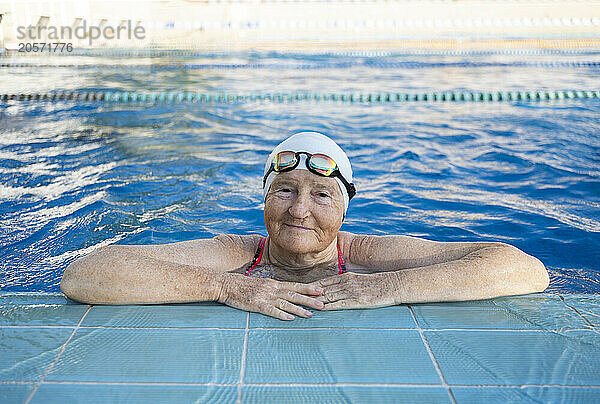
[[342, 304], [334, 288], [292, 308], [331, 297], [330, 280], [273, 311], [307, 288], [315, 286], [297, 298]]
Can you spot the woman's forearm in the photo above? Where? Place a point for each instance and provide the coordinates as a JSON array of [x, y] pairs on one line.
[[392, 253], [113, 275], [485, 273]]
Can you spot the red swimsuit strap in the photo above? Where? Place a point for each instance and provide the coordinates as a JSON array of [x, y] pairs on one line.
[[341, 263], [257, 256], [260, 249]]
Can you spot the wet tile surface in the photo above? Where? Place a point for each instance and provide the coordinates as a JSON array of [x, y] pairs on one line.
[[338, 356], [346, 394], [26, 352], [517, 357], [202, 351], [519, 312], [383, 317], [151, 355], [588, 306], [73, 393], [491, 395], [36, 309], [14, 393], [41, 314], [209, 315]]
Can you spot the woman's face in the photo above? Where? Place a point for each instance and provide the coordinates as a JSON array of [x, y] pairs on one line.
[[303, 211]]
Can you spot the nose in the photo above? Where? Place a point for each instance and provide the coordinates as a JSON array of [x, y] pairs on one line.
[[300, 206]]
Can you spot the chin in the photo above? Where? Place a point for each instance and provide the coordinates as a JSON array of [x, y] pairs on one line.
[[296, 244], [298, 249]]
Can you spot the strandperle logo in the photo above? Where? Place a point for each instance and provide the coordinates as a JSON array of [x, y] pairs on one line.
[[92, 33]]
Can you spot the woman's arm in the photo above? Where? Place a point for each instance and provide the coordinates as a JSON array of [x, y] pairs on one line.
[[488, 272], [116, 275], [169, 273], [391, 253], [221, 253]]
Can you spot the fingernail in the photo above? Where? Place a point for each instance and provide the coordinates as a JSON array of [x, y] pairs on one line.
[[320, 303], [289, 317], [319, 290]]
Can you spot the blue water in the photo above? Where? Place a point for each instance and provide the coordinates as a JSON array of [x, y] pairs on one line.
[[76, 176]]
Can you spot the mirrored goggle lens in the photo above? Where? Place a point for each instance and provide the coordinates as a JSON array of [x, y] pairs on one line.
[[284, 160], [322, 164]]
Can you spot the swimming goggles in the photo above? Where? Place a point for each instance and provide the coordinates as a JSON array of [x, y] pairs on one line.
[[319, 164]]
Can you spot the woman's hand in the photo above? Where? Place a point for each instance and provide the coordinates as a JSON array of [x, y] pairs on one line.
[[359, 291], [268, 296]]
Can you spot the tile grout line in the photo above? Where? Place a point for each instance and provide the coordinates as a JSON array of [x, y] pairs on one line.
[[432, 357], [576, 311], [243, 365], [60, 351]]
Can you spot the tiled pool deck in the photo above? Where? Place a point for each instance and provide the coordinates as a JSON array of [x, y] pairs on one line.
[[533, 348]]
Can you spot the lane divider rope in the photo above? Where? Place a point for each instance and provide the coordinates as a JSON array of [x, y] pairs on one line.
[[338, 65], [223, 97]]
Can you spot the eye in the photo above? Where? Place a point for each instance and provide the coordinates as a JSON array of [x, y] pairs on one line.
[[285, 192]]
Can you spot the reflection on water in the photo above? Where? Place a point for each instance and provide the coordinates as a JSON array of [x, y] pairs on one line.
[[75, 177]]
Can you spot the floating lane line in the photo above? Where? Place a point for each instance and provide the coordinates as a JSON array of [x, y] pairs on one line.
[[187, 97]]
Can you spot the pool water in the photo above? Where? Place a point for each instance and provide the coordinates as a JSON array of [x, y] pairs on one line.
[[77, 175]]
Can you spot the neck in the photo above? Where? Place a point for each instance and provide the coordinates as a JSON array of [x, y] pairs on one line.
[[301, 261]]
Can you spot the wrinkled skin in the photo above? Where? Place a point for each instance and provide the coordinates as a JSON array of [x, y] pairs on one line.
[[277, 299], [268, 296], [300, 198], [358, 291]]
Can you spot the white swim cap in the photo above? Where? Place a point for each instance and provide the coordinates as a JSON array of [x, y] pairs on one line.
[[312, 142]]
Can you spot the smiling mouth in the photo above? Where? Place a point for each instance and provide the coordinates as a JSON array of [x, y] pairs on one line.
[[297, 227]]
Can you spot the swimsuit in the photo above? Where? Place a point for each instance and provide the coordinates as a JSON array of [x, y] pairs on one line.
[[259, 251]]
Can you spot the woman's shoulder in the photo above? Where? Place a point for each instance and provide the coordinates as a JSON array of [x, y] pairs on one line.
[[361, 248], [242, 242], [345, 240], [229, 251], [352, 247]]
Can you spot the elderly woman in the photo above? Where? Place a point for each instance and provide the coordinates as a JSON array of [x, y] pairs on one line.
[[306, 260]]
